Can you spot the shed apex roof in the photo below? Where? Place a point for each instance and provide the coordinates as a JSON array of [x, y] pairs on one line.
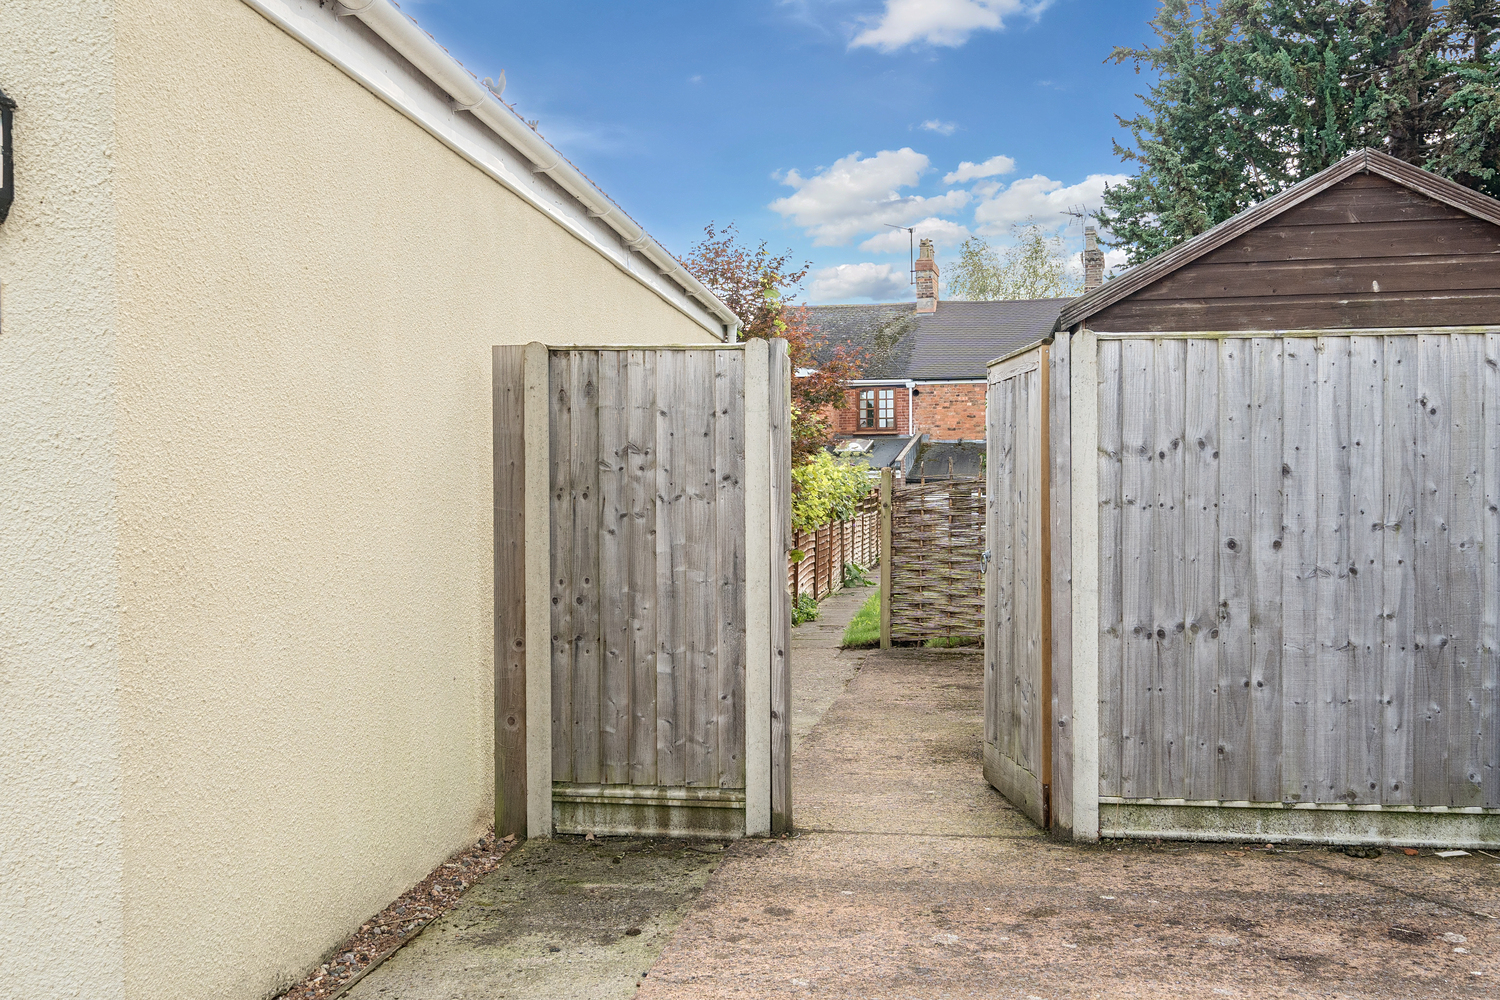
[[1364, 161]]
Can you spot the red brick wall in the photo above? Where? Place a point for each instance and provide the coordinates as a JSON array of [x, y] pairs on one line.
[[846, 420], [950, 412]]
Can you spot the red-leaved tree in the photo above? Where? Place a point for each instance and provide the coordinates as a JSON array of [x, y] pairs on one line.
[[760, 287]]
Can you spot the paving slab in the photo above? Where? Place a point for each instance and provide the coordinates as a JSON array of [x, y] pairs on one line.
[[567, 918]]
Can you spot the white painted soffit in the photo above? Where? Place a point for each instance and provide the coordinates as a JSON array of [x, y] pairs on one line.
[[406, 68]]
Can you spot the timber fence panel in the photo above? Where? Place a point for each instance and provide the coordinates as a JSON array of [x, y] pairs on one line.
[[937, 537]]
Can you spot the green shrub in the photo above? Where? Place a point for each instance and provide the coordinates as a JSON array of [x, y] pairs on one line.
[[856, 575], [804, 609], [827, 489]]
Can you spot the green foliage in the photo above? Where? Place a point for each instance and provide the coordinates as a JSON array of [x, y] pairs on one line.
[[827, 489], [863, 631], [1034, 267], [1255, 95], [855, 575], [804, 609]]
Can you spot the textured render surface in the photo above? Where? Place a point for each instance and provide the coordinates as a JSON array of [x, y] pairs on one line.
[[60, 839], [912, 880], [309, 288]]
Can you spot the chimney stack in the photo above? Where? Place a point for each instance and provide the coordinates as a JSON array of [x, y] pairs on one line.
[[1093, 260], [927, 278]]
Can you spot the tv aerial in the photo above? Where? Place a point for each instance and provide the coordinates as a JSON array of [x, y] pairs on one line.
[[911, 253]]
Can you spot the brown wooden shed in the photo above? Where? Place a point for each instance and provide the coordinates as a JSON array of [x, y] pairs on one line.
[[1245, 508]]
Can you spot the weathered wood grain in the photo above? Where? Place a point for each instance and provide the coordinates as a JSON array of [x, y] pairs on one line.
[[781, 610], [1366, 520], [1061, 492], [729, 516], [1111, 589], [1020, 744], [1266, 441], [640, 505], [1200, 569], [613, 584], [1350, 311], [583, 638], [1168, 681], [509, 435], [671, 621], [695, 564], [1434, 659], [560, 379], [1332, 652], [1299, 572], [1039, 698], [1489, 717], [1465, 616], [1137, 541], [1398, 576], [1235, 550]]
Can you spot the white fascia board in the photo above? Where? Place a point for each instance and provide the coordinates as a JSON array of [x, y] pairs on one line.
[[919, 383], [904, 383], [367, 59]]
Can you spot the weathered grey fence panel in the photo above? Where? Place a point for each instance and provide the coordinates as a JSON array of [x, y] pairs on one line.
[[1017, 750], [655, 550], [1299, 578]]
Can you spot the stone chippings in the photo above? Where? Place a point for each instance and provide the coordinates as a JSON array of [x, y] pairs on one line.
[[393, 926]]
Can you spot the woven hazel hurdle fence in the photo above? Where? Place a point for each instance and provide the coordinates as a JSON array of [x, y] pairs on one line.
[[934, 576], [826, 550]]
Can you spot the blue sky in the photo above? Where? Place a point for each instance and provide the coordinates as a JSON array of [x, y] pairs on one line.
[[809, 123]]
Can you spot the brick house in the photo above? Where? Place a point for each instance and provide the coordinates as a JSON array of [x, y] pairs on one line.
[[924, 378]]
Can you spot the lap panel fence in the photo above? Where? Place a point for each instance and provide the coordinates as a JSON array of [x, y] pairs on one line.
[[642, 610], [819, 557]]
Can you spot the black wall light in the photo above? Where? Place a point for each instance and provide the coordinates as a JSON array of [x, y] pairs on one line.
[[7, 161]]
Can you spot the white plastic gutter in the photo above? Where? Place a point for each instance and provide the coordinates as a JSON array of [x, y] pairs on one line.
[[402, 34]]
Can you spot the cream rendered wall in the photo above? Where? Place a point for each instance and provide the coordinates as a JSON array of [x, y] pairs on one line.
[[309, 288], [60, 830]]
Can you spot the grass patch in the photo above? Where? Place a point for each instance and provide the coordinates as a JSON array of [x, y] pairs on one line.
[[952, 641], [864, 630]]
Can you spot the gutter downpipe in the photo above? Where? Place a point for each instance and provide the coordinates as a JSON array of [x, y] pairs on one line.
[[419, 48]]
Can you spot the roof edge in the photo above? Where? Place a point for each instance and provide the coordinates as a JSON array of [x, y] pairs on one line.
[[1425, 182]]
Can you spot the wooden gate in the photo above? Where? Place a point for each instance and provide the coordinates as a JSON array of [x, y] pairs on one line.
[[1017, 684], [642, 513]]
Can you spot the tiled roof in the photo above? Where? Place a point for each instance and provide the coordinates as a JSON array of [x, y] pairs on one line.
[[955, 342]]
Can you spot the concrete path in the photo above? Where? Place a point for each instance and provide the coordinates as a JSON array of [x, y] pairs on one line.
[[912, 880], [570, 919]]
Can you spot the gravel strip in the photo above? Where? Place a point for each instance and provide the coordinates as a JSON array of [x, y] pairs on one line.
[[398, 923]]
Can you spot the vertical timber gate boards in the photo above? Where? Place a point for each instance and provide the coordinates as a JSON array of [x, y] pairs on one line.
[[642, 616], [1017, 676]]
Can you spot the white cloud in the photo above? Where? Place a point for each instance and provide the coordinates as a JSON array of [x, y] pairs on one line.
[[940, 231], [857, 196], [939, 126], [989, 168], [1041, 198], [939, 22], [883, 282]]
